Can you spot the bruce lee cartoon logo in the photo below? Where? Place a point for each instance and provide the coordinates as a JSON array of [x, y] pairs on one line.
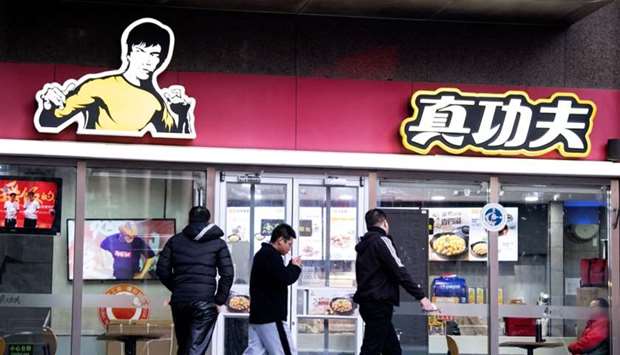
[[123, 102]]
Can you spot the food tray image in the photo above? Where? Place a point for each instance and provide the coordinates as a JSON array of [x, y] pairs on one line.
[[449, 245], [238, 304], [342, 306]]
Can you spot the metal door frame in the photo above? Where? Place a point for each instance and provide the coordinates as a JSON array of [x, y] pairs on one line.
[[224, 178], [359, 182]]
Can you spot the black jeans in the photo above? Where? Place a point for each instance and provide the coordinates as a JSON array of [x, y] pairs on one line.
[[193, 325], [30, 223], [10, 223], [379, 334]]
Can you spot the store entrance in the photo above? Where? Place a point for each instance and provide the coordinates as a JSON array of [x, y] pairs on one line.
[[327, 213]]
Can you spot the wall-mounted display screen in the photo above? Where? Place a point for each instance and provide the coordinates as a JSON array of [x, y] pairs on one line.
[[121, 249], [30, 205]]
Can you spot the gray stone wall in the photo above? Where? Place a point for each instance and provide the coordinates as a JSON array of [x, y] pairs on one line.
[[582, 55]]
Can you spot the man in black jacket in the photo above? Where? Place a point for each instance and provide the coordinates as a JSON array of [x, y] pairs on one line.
[[269, 282], [379, 273], [188, 266]]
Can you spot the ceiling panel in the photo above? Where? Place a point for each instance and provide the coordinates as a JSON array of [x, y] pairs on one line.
[[522, 11]]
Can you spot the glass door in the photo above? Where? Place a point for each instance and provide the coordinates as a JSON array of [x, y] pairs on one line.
[[559, 278], [437, 229], [250, 207], [328, 215]]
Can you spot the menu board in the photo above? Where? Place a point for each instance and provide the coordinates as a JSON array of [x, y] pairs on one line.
[[265, 220], [311, 246], [457, 234], [343, 230], [331, 302], [237, 224]]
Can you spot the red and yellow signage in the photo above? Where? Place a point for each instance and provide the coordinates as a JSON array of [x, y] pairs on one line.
[[508, 124]]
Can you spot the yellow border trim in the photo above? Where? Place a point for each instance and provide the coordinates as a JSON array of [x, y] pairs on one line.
[[530, 153]]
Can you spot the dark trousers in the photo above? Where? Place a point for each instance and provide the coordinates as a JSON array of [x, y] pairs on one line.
[[10, 223], [379, 334], [193, 325], [30, 223]]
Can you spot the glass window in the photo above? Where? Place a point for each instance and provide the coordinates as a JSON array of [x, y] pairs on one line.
[[35, 292], [130, 214], [560, 267], [436, 227]]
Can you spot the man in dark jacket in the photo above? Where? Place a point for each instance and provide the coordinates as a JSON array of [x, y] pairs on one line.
[[269, 282], [188, 266], [379, 273]]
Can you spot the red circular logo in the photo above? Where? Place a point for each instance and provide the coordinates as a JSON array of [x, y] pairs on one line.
[[140, 311]]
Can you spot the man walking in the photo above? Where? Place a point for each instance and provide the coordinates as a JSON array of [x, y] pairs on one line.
[[269, 282], [379, 273], [188, 266]]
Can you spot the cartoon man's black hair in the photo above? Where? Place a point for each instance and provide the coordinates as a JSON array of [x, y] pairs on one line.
[[149, 34]]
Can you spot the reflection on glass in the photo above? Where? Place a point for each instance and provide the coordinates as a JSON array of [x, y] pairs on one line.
[[36, 291], [312, 234], [456, 263], [562, 254], [126, 206], [331, 336], [264, 204], [238, 229]]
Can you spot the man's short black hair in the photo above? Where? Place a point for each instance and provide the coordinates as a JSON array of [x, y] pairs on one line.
[[284, 231], [603, 303], [374, 217], [12, 194], [199, 214], [149, 34]]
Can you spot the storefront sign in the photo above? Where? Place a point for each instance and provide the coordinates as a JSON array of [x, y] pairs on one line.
[[508, 124], [123, 102], [140, 301]]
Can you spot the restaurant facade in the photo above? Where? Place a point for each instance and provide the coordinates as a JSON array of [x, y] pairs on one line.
[[271, 118]]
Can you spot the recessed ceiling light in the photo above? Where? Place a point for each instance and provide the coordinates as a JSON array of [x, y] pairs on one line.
[[438, 198], [531, 198]]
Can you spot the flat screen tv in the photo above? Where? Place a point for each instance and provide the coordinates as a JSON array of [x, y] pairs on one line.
[[120, 249], [30, 205]]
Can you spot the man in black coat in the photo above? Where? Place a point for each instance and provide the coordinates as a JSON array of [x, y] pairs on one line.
[[269, 281], [380, 273], [188, 266]]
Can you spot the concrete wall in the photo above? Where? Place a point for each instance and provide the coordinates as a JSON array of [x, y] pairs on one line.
[[583, 55]]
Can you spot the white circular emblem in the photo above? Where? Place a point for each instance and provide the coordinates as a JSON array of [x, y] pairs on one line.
[[493, 217]]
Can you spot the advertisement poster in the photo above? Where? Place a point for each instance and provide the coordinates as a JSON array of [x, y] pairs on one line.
[[237, 224], [311, 245], [330, 302], [343, 230], [35, 200], [120, 249], [458, 235], [265, 220]]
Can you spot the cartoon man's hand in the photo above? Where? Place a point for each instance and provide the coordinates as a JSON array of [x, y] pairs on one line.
[[177, 100], [55, 95], [180, 105]]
